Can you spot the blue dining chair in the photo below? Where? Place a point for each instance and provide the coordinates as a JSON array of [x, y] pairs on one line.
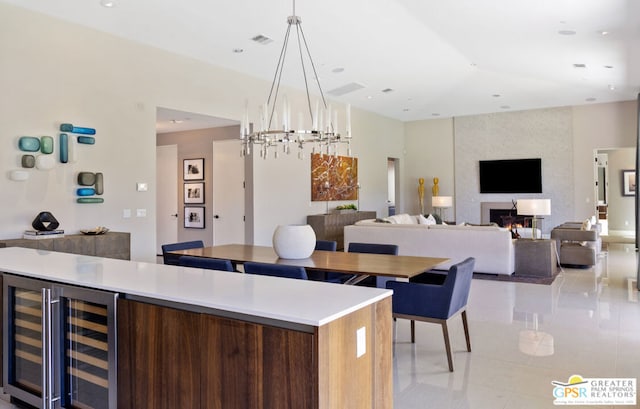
[[275, 270], [324, 245], [206, 262], [172, 259], [435, 298], [373, 248]]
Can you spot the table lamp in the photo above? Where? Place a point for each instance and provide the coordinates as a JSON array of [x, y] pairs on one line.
[[441, 202], [534, 208]]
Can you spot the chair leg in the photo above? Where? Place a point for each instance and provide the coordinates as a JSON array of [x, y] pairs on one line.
[[447, 344], [413, 332], [466, 330]]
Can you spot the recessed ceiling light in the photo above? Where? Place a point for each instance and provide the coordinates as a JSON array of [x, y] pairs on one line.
[[107, 3], [406, 110], [590, 99], [579, 65], [496, 95], [505, 107], [566, 32], [603, 32], [369, 97], [435, 114], [238, 50], [608, 66], [337, 70], [387, 90], [612, 87]]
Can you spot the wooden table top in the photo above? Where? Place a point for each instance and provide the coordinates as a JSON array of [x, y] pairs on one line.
[[336, 261]]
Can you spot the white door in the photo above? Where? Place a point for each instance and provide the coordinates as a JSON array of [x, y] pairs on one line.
[[228, 193], [166, 195]]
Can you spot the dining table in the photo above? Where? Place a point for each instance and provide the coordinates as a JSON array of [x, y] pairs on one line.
[[360, 265]]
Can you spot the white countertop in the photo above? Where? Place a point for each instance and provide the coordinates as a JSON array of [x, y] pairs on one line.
[[297, 301]]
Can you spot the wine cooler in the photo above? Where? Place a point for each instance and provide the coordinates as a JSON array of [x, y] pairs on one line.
[[59, 345]]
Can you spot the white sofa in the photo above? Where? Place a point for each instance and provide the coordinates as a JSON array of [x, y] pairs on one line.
[[492, 247]]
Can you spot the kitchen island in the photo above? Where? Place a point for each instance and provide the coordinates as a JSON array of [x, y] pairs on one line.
[[210, 339]]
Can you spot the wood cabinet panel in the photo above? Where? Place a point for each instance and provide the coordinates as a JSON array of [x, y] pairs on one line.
[[110, 245], [158, 357], [230, 351]]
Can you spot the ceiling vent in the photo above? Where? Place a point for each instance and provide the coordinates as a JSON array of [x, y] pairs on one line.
[[387, 90], [260, 39], [345, 89], [579, 66]]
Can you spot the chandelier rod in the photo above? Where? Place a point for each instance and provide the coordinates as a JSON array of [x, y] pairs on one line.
[[313, 66], [278, 76]]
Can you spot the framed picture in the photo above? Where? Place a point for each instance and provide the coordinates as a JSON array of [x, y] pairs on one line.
[[628, 182], [194, 217], [193, 169], [194, 193]]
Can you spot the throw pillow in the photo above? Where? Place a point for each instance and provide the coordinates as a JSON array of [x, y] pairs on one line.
[[379, 220], [429, 220]]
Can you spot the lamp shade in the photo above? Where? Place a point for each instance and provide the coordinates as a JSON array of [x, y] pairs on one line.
[[442, 201], [534, 207]]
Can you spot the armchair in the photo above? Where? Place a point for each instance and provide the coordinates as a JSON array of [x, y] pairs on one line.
[[577, 244], [435, 297]]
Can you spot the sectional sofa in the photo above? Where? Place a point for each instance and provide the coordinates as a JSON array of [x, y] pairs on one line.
[[491, 246]]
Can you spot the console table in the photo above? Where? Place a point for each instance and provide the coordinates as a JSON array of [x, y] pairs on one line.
[[536, 257], [331, 226], [110, 244]]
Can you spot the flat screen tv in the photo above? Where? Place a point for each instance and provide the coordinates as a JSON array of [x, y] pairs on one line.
[[511, 176]]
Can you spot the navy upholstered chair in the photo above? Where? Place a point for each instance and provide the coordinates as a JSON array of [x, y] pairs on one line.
[[374, 248], [185, 245], [275, 270], [205, 262], [435, 298], [324, 245]]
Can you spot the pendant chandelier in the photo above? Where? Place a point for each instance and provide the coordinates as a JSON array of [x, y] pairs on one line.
[[278, 134]]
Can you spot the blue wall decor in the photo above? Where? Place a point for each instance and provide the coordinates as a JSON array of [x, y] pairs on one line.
[[86, 191], [86, 140], [29, 144], [90, 200], [64, 148], [86, 178], [99, 186], [77, 129], [28, 161], [46, 145]]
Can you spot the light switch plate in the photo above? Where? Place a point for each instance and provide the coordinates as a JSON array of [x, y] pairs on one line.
[[126, 213], [141, 212], [142, 187], [361, 342]]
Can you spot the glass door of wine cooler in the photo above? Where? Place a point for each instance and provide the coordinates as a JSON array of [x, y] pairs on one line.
[[59, 345]]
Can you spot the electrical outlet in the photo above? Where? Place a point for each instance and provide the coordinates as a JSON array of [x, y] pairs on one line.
[[361, 342], [141, 212], [126, 213]]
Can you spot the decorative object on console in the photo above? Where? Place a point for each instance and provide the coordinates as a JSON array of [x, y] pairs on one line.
[[534, 208], [347, 208], [295, 241], [441, 202], [323, 132], [95, 231], [45, 221], [333, 177], [435, 190]]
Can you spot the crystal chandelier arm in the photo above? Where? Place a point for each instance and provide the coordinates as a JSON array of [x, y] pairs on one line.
[[275, 84], [313, 66], [304, 70]]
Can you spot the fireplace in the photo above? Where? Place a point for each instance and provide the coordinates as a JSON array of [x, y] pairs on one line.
[[504, 214]]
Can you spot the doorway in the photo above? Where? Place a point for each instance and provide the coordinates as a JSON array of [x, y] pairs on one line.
[[393, 185]]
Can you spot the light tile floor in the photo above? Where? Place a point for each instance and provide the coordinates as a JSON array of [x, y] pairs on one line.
[[586, 323]]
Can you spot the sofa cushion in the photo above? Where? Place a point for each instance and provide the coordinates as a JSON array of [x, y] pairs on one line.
[[403, 218]]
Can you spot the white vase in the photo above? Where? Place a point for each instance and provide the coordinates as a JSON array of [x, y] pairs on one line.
[[294, 241]]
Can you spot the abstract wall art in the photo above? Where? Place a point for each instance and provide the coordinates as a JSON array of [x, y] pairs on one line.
[[333, 177]]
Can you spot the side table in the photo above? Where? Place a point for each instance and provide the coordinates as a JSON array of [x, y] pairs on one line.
[[536, 257]]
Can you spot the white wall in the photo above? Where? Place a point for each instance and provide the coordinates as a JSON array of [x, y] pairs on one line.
[[55, 72]]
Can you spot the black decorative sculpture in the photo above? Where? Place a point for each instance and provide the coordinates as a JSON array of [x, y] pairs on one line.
[[45, 221]]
